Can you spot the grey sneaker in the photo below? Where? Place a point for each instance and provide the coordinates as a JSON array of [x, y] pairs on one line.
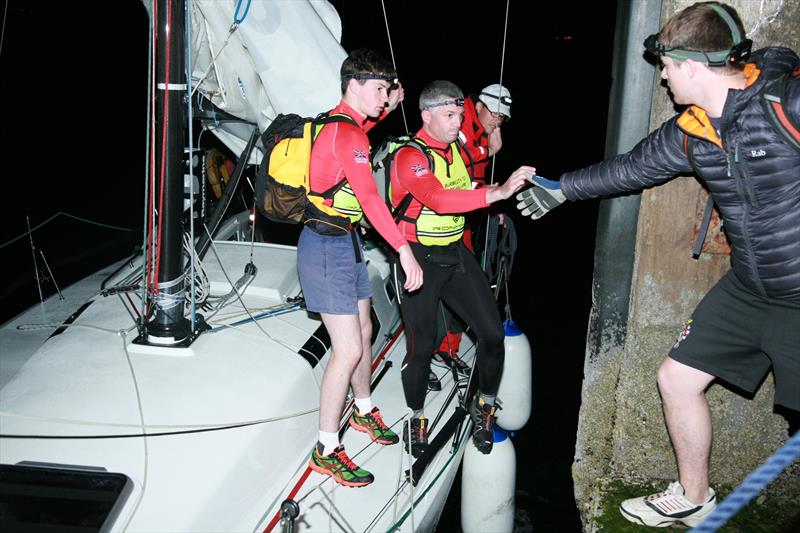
[[667, 508]]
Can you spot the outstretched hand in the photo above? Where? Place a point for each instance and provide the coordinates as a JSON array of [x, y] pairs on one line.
[[541, 198], [518, 179]]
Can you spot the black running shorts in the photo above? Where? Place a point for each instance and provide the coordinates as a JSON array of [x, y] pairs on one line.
[[738, 336]]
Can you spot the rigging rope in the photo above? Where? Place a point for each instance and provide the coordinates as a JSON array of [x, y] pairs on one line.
[[494, 157], [191, 250], [163, 169], [236, 19], [502, 66], [252, 318], [394, 64], [147, 168]]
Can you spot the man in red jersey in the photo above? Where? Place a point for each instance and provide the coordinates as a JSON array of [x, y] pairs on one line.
[[330, 263], [430, 188], [480, 139]]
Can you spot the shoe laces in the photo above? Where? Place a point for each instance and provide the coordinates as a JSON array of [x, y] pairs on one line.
[[375, 415], [345, 460], [674, 489], [487, 417]]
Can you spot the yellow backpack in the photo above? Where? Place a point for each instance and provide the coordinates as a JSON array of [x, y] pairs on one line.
[[282, 178]]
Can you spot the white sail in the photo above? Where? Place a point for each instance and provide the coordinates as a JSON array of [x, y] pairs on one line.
[[284, 57]]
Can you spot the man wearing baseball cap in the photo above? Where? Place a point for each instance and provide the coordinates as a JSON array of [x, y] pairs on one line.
[[484, 113]]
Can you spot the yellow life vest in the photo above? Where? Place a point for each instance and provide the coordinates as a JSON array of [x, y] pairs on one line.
[[344, 204], [440, 230]]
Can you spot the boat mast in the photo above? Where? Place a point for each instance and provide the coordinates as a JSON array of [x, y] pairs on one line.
[[168, 326]]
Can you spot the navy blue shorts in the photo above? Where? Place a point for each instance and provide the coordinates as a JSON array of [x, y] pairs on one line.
[[738, 336], [331, 279]]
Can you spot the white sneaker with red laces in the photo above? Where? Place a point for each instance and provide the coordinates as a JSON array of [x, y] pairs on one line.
[[669, 507]]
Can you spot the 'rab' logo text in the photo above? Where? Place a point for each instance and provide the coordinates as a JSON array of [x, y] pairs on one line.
[[758, 153]]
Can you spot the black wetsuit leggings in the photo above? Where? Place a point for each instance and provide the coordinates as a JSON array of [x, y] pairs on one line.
[[463, 287]]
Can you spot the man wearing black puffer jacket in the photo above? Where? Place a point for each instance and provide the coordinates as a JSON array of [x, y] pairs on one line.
[[749, 322]]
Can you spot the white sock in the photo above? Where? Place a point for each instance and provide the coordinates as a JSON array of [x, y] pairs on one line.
[[364, 405], [329, 440]]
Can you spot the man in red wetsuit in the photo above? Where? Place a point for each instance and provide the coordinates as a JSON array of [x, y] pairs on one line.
[[330, 263], [430, 188], [484, 115], [480, 139]]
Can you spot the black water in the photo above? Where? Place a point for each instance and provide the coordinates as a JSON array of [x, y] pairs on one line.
[[74, 79]]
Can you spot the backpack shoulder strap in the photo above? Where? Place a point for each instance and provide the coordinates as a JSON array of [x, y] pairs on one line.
[[464, 150], [688, 149], [772, 96], [399, 212], [321, 120]]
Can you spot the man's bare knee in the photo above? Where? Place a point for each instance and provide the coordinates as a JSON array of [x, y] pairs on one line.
[[349, 356], [677, 378]]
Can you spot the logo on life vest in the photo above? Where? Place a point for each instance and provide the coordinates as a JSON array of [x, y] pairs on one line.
[[687, 328], [360, 156], [418, 169]]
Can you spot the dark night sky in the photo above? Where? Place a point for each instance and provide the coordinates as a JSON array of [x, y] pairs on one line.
[[74, 76]]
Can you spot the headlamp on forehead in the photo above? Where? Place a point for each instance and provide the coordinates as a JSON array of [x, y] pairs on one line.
[[739, 52], [364, 76], [505, 100], [451, 101]]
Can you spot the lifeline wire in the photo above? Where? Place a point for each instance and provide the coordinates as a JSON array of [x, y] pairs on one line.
[[752, 485], [3, 31], [42, 224]]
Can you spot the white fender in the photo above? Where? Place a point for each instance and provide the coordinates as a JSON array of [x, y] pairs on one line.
[[487, 487], [514, 392]]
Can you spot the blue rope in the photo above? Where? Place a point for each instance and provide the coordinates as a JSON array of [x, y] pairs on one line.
[[236, 19], [267, 314], [752, 485]]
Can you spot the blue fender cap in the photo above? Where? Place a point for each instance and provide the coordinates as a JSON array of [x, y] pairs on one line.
[[500, 434], [511, 329]]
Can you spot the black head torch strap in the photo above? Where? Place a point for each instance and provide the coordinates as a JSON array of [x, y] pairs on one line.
[[739, 52], [364, 76], [450, 101], [505, 100]]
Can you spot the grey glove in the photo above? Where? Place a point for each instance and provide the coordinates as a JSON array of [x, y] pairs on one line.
[[536, 201]]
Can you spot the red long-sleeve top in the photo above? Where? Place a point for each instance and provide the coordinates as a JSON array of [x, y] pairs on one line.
[[475, 140], [411, 172], [342, 150]]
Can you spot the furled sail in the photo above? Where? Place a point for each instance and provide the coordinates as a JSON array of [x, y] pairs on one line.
[[282, 57]]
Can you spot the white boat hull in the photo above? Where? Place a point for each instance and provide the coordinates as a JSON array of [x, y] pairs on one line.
[[215, 436]]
